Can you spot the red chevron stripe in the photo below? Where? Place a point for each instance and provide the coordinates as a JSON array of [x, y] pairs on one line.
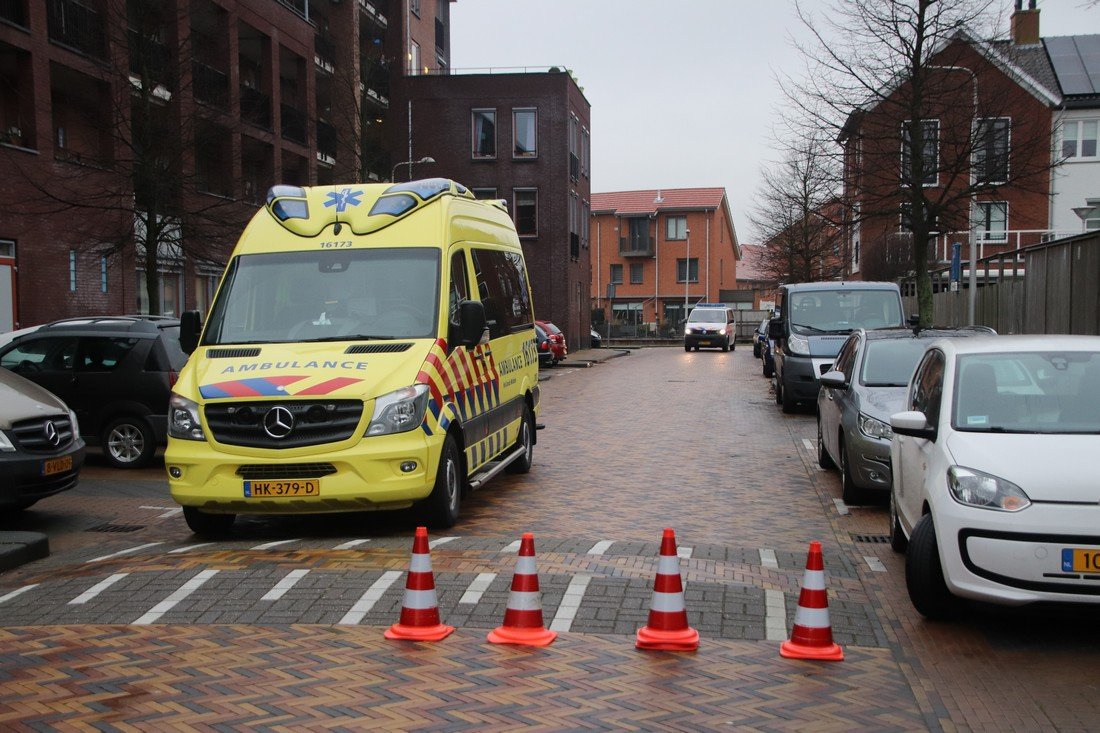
[[236, 389], [438, 364], [425, 378], [328, 386]]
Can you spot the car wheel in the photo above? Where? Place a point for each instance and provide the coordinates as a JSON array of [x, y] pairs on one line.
[[128, 442], [787, 405], [208, 525], [526, 440], [778, 389], [924, 574], [849, 492], [733, 345], [768, 369], [898, 542], [726, 346], [756, 351], [823, 458], [440, 509], [687, 348]]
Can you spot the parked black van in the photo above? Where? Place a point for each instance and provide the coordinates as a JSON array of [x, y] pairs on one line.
[[115, 372], [813, 322]]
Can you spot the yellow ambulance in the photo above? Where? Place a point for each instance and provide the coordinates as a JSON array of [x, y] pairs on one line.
[[370, 347]]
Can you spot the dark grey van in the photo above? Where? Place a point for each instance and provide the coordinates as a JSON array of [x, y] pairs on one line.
[[814, 321]]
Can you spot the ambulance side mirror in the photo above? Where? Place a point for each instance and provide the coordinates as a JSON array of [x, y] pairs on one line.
[[471, 323], [190, 328]]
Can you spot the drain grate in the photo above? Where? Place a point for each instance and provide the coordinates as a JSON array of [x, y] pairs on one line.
[[117, 528], [878, 539]]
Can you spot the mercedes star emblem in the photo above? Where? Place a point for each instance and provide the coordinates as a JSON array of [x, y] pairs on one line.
[[278, 422], [52, 436]]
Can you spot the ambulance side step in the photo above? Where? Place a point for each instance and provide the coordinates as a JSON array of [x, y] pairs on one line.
[[494, 468]]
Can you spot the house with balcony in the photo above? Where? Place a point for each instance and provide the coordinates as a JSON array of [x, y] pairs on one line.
[[657, 252]]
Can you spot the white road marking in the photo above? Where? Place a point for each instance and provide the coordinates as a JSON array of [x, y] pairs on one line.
[[601, 547], [269, 545], [775, 616], [685, 552], [809, 446], [181, 550], [169, 511], [120, 553], [478, 586], [767, 559], [440, 541], [367, 601], [570, 602], [514, 547], [170, 602], [98, 588], [284, 585], [875, 564], [16, 592], [350, 544], [841, 507]]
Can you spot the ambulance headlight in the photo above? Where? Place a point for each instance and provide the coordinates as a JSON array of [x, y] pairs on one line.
[[399, 411], [183, 419]]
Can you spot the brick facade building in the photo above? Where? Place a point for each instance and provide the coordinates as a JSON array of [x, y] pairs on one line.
[[664, 251]]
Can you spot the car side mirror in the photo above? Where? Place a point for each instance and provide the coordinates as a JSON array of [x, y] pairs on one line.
[[471, 323], [775, 329], [190, 329], [914, 424], [834, 379]]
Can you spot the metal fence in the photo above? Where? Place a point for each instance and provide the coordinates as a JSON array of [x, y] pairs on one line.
[[1052, 287], [746, 323]]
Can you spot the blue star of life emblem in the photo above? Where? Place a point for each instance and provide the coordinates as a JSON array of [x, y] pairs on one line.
[[343, 199]]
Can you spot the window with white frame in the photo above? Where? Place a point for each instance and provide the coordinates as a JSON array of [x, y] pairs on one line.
[[676, 227], [524, 133], [930, 151], [483, 133], [992, 142], [1079, 139], [991, 221], [688, 268]]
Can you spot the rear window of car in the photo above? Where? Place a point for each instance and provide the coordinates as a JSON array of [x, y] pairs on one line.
[[550, 327], [890, 362]]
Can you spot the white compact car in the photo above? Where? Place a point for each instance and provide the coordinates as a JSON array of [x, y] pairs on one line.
[[995, 488]]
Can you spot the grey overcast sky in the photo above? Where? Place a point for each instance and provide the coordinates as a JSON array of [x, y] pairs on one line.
[[682, 92]]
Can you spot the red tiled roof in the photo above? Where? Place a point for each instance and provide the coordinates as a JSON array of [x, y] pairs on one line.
[[749, 266], [633, 203]]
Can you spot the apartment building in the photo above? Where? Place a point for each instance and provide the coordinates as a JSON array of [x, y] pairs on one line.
[[658, 252]]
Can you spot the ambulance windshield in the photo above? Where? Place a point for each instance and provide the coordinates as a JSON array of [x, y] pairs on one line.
[[342, 295]]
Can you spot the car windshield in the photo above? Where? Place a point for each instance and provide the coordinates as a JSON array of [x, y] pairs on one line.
[[327, 296], [841, 311], [1028, 392], [707, 315], [890, 362]]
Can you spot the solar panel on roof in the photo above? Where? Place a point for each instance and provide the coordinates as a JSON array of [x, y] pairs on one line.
[[1076, 62]]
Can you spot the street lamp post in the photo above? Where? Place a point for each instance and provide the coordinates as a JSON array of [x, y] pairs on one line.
[[687, 270], [410, 163]]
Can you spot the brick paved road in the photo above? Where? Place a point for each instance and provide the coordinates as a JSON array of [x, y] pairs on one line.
[[271, 628]]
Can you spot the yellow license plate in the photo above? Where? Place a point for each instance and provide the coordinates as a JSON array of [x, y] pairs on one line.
[[57, 465], [1077, 560], [282, 487]]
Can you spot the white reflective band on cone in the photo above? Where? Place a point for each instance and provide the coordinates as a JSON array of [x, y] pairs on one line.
[[812, 618], [524, 601], [668, 565], [814, 580], [667, 602], [419, 599], [420, 564], [525, 565]]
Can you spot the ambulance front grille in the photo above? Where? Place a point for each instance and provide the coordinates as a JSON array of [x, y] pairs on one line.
[[311, 422]]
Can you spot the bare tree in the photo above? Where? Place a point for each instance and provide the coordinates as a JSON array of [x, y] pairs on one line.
[[918, 104], [134, 188], [798, 214]]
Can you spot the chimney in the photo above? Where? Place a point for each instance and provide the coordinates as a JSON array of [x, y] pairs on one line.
[[1025, 24]]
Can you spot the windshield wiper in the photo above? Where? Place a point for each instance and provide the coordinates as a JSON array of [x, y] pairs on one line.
[[353, 337], [815, 329]]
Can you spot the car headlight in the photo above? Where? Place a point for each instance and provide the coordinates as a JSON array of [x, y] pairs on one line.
[[722, 331], [76, 425], [873, 428], [399, 411], [978, 489], [183, 419], [687, 330], [5, 443], [798, 345]]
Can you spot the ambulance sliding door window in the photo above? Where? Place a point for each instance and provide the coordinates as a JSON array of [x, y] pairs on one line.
[[503, 290], [460, 288]]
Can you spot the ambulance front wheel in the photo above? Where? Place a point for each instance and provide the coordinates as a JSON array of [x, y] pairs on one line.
[[440, 509], [208, 525], [526, 440]]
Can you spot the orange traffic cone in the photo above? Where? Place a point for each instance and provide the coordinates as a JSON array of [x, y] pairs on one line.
[[419, 612], [812, 636], [668, 623], [523, 616]]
